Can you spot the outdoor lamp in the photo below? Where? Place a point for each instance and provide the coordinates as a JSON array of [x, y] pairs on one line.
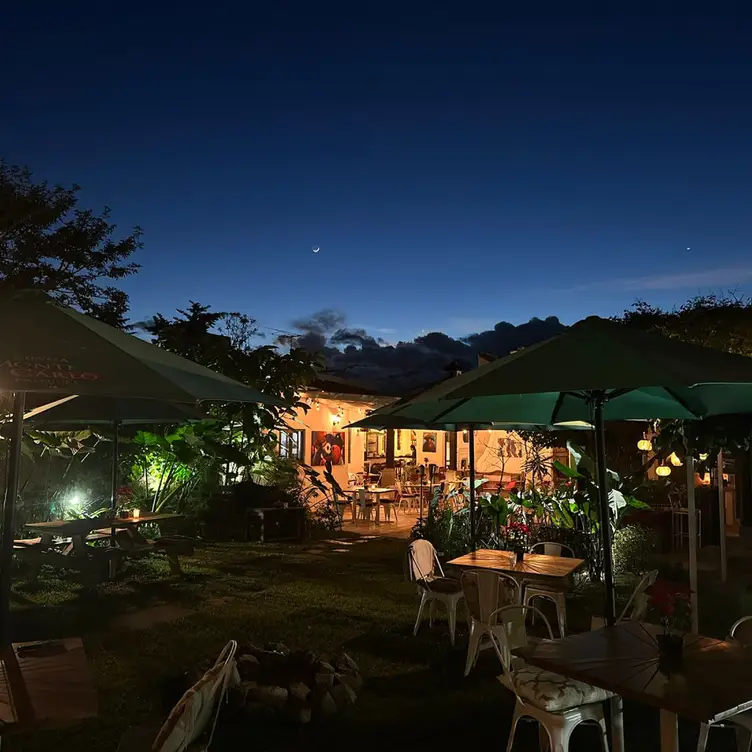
[[674, 459], [663, 471], [644, 444], [703, 456], [136, 514]]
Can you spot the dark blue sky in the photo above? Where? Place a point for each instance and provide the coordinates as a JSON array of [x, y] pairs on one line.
[[457, 163]]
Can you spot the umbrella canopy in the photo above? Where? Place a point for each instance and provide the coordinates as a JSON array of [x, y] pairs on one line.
[[379, 420], [47, 347], [70, 412], [597, 370]]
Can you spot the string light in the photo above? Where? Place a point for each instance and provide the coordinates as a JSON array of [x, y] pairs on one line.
[[663, 471], [674, 459], [703, 456]]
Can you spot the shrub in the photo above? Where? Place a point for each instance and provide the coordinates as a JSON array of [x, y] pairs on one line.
[[633, 548]]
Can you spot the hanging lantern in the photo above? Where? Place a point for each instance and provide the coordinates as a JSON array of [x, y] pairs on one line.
[[674, 459], [663, 471], [644, 444], [703, 456]]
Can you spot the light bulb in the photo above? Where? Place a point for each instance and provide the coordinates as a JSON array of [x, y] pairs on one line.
[[663, 471], [674, 459], [703, 456], [644, 445]]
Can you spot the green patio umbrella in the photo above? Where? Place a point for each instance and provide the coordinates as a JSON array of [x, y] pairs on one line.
[[595, 371], [51, 349], [73, 412]]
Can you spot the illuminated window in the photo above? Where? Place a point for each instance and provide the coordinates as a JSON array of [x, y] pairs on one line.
[[291, 444]]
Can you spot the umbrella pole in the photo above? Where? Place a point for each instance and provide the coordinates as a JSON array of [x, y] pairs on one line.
[[722, 517], [471, 462], [689, 461], [603, 494], [9, 510], [115, 476]]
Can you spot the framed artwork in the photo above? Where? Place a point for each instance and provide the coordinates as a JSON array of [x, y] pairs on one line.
[[327, 446], [429, 442]]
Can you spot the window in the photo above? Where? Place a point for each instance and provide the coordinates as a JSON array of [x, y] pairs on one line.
[[291, 444]]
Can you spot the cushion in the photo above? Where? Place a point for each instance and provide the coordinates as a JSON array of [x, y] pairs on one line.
[[552, 692], [445, 585]]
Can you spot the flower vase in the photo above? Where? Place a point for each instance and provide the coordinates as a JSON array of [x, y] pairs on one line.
[[670, 653], [520, 555]]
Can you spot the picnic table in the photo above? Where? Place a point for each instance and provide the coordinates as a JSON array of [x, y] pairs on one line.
[[532, 565], [75, 536], [45, 684], [711, 685]]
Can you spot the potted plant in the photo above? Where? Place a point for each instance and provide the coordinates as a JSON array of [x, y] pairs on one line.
[[670, 602], [517, 535]]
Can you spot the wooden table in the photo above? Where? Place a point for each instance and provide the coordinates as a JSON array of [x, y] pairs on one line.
[[532, 565], [45, 684], [377, 492], [714, 682]]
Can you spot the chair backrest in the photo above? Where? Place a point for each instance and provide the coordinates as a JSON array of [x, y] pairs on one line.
[[421, 561], [513, 634], [451, 475], [638, 602], [388, 477], [552, 549], [199, 706], [741, 630], [486, 592]]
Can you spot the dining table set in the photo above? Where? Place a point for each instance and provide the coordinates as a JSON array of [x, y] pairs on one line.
[[709, 683]]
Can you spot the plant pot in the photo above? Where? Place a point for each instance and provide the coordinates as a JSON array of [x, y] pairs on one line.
[[670, 653], [520, 555]]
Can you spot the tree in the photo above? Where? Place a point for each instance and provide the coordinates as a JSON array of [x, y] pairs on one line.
[[723, 322], [47, 242]]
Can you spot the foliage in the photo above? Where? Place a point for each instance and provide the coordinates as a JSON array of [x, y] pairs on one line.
[[49, 243], [169, 467], [634, 547], [319, 496], [723, 322], [670, 602], [537, 463]]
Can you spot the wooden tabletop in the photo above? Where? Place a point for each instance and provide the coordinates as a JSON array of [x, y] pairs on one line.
[[84, 526], [44, 684], [535, 565], [713, 683]]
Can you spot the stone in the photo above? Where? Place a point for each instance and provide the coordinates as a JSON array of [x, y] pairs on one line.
[[258, 711], [325, 680], [354, 681], [344, 662], [298, 711], [277, 647], [244, 688], [272, 696], [299, 691], [303, 658], [323, 667], [248, 666], [323, 703], [343, 695]]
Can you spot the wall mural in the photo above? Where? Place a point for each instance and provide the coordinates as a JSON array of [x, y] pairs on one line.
[[509, 446], [326, 447]]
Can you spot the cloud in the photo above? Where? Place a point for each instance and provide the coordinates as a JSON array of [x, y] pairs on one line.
[[723, 277], [354, 353]]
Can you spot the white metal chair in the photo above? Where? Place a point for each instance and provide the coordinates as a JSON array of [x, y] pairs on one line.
[[553, 590], [421, 565], [364, 506], [637, 605], [559, 704], [193, 720], [742, 722], [389, 504], [341, 502], [485, 592]]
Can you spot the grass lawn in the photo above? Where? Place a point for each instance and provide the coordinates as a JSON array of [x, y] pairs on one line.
[[340, 592]]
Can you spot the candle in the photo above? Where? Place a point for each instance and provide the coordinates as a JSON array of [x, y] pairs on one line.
[[136, 514]]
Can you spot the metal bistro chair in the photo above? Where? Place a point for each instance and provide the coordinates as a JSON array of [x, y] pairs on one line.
[[421, 565], [637, 605], [558, 704], [741, 631], [553, 590], [485, 592]]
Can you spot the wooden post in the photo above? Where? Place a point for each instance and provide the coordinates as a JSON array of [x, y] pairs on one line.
[[390, 442], [452, 464]]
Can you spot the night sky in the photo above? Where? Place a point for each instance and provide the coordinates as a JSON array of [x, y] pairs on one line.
[[457, 163]]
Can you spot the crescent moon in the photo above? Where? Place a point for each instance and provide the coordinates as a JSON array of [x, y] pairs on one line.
[[316, 249]]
